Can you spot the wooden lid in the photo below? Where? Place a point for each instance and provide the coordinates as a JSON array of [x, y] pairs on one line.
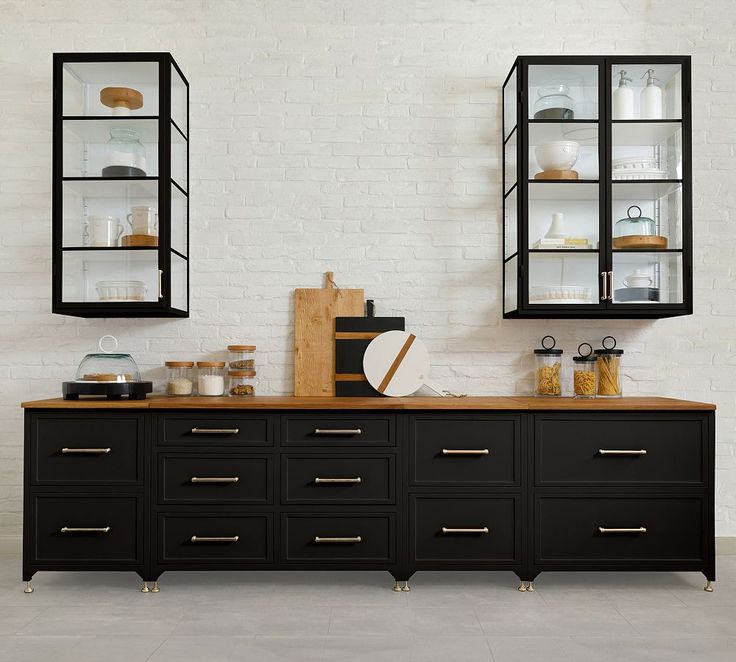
[[179, 364], [242, 348], [210, 364], [126, 97], [242, 373]]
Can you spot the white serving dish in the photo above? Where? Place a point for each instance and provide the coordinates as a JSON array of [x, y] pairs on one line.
[[121, 290]]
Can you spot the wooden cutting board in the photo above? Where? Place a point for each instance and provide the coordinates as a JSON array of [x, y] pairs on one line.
[[314, 334]]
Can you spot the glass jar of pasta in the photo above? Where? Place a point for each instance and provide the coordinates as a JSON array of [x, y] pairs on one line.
[[608, 369], [583, 376], [548, 368]]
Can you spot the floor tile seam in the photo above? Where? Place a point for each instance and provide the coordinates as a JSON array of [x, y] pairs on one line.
[[44, 611]]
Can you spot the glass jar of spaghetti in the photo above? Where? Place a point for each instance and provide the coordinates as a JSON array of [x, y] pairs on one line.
[[608, 369], [548, 368]]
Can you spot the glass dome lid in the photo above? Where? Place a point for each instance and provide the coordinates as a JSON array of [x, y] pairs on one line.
[[108, 365]]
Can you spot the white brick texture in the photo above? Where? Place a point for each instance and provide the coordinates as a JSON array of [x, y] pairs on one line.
[[360, 137]]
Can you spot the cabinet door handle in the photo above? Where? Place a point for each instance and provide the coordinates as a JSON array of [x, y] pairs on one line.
[[604, 286], [321, 539], [214, 538], [86, 451], [639, 529], [610, 285], [449, 531], [614, 451], [338, 481], [160, 284], [214, 479], [346, 431], [215, 430], [469, 451], [85, 529]]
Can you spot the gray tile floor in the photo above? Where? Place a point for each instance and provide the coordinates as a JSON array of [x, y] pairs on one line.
[[355, 616]]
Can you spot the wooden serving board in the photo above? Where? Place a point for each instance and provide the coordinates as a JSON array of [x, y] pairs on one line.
[[644, 242], [557, 174], [314, 335]]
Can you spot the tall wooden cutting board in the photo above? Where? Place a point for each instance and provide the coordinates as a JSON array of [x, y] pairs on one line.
[[314, 335]]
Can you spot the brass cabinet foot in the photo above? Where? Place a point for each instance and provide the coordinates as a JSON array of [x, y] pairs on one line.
[[144, 588], [406, 588], [155, 588], [397, 586], [530, 587], [29, 588], [708, 586], [522, 587]]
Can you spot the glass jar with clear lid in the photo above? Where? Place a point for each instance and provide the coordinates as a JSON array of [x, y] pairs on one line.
[[583, 378], [125, 155], [554, 103], [179, 378], [548, 369], [241, 357], [608, 369], [211, 378], [242, 382]]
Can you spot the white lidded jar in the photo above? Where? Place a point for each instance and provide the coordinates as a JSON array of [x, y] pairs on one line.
[[650, 104], [179, 377], [210, 378], [622, 101]]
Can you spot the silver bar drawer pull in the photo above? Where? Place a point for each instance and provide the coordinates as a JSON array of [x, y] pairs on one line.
[[86, 451], [85, 529], [337, 431], [606, 451], [639, 529], [468, 451], [449, 531], [214, 479], [338, 481], [321, 539], [215, 430], [215, 538]]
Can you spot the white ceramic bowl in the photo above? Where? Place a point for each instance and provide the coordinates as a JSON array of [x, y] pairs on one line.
[[557, 155], [121, 290]]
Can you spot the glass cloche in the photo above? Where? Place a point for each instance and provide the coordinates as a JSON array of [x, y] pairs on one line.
[[107, 373]]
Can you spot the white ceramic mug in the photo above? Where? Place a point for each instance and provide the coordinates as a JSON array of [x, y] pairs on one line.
[[143, 220], [103, 230]]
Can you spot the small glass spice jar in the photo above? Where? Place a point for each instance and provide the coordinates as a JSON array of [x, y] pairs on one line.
[[241, 357], [608, 369], [242, 382], [179, 377], [210, 377], [547, 368], [583, 376]]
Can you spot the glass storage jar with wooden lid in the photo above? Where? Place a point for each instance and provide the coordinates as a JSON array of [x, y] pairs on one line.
[[583, 377], [608, 369], [211, 377], [242, 382], [241, 357], [179, 377], [548, 368]]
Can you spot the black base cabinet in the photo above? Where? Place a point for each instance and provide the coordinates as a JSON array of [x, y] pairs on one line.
[[156, 490]]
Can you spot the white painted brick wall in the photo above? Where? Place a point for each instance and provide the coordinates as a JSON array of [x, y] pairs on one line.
[[360, 137]]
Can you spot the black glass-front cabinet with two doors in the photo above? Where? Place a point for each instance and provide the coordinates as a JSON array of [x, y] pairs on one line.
[[597, 187], [120, 185]]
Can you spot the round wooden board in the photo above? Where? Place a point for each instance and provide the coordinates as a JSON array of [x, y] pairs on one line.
[[641, 241], [139, 240], [557, 174], [127, 97]]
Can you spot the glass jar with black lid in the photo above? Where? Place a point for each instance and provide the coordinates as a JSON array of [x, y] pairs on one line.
[[608, 369], [583, 377], [548, 369]]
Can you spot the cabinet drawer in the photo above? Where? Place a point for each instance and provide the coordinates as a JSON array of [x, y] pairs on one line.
[[464, 451], [344, 479], [338, 537], [339, 430], [215, 430], [89, 450], [89, 528], [205, 479], [217, 537], [465, 529], [608, 529], [620, 450]]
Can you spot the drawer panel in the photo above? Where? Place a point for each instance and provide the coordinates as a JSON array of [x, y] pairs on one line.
[[339, 430], [465, 529], [338, 537], [207, 429], [465, 451], [344, 479], [88, 450], [588, 450], [89, 528], [569, 529], [210, 479], [217, 537]]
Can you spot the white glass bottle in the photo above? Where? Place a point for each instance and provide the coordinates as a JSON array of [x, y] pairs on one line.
[[622, 101], [650, 104]]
